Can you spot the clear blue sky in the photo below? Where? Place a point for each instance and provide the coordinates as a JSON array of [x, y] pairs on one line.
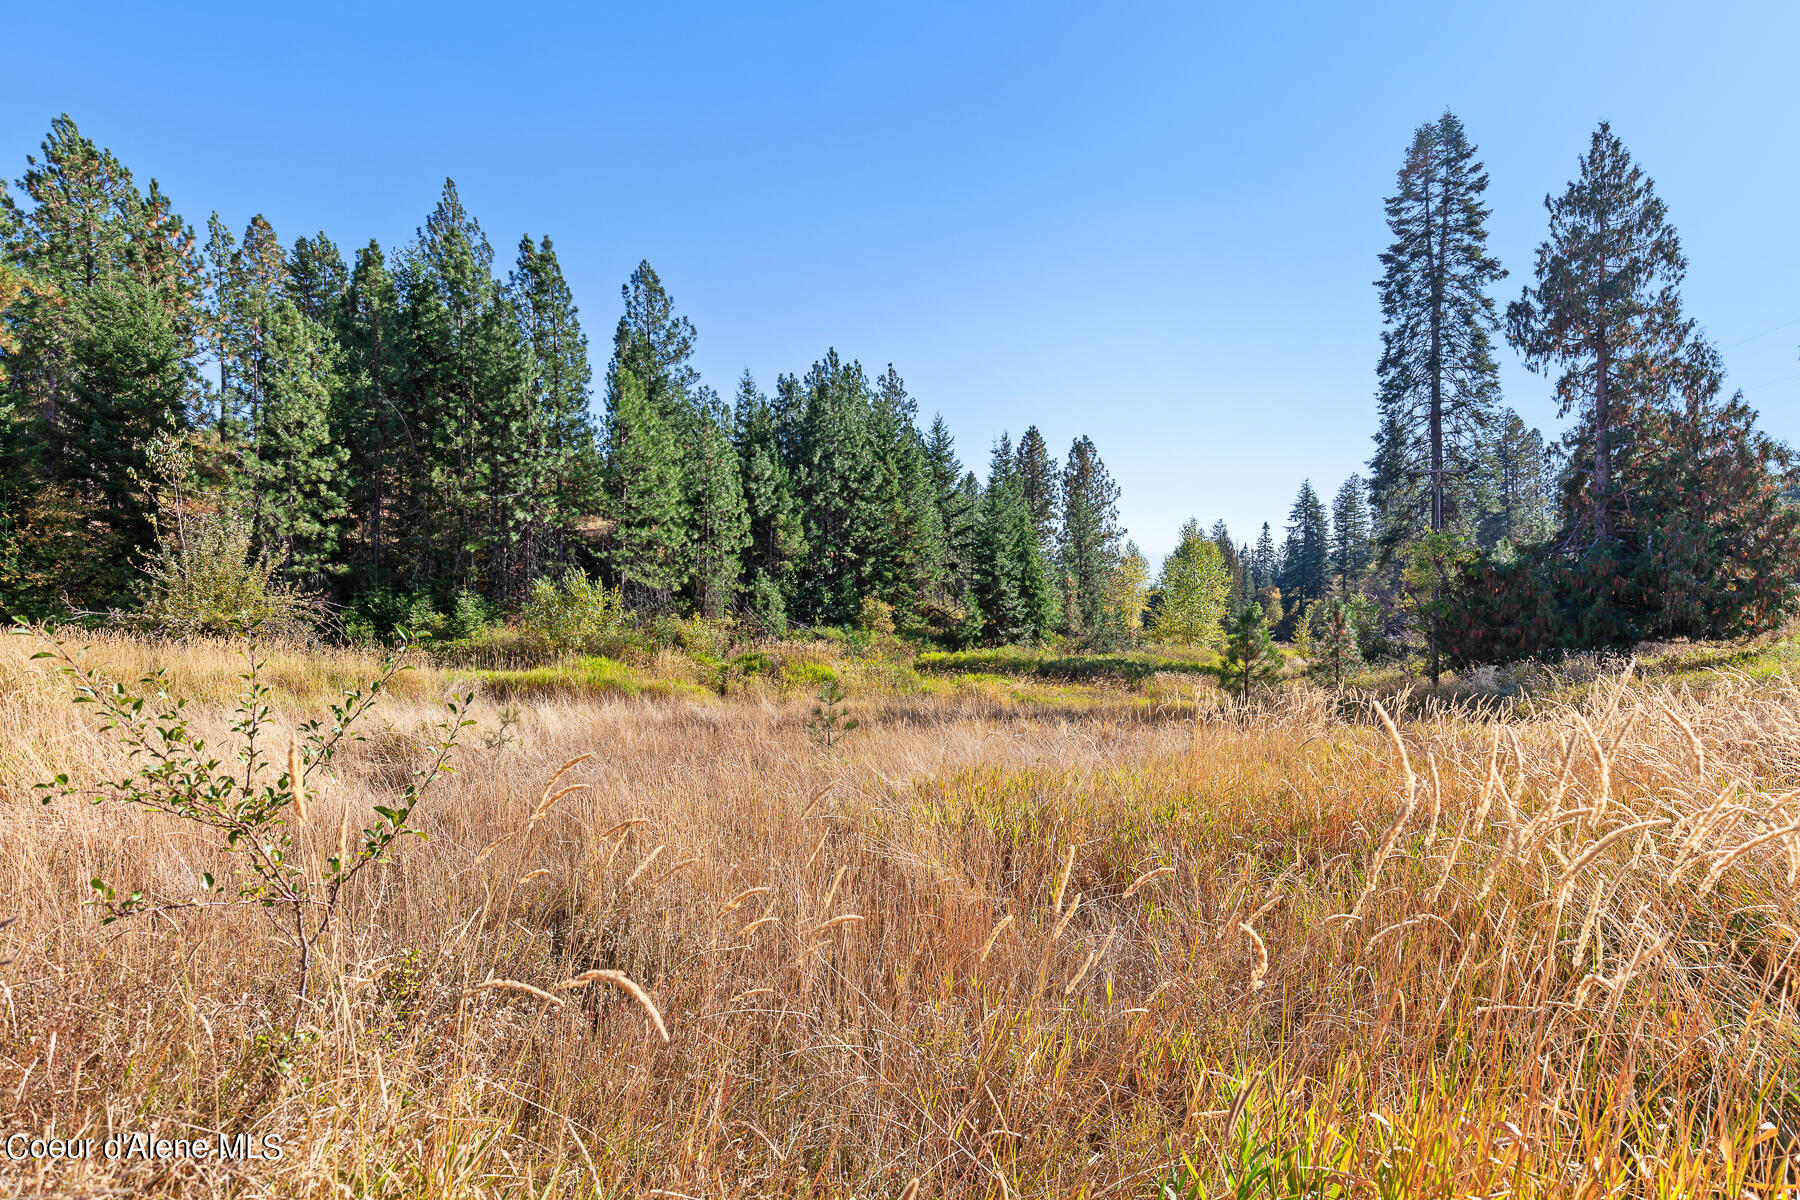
[[1155, 224]]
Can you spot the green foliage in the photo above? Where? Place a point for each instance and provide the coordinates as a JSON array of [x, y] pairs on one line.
[[205, 576], [250, 808], [1305, 560], [1250, 654], [1428, 588], [1336, 650], [575, 613], [831, 719], [1192, 592], [876, 616], [1090, 535], [1438, 382]]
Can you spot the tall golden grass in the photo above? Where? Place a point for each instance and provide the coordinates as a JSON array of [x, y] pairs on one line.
[[1002, 950]]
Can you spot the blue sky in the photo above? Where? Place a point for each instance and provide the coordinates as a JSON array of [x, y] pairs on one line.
[[1155, 224]]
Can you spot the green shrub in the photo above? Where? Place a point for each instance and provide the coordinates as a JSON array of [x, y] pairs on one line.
[[876, 616], [205, 579], [573, 614]]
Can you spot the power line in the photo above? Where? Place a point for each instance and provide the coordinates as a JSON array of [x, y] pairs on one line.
[[1772, 382], [1763, 334]]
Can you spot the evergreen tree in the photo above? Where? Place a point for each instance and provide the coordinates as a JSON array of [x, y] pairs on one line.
[[1038, 479], [911, 554], [777, 540], [1012, 583], [1438, 380], [1336, 645], [1306, 558], [465, 399], [1193, 592], [1237, 567], [560, 476], [955, 510], [837, 481], [715, 502], [1091, 535], [1519, 484], [316, 277], [383, 457], [649, 393], [293, 471], [1721, 545], [644, 476], [1250, 654], [104, 346], [1606, 309], [1350, 547], [1263, 563]]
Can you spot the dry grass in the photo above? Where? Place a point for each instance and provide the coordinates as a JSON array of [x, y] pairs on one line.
[[1008, 949]]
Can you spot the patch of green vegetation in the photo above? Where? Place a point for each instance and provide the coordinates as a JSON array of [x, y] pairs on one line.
[[584, 676], [1129, 667], [803, 674]]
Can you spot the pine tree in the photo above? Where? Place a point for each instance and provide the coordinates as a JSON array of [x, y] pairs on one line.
[[911, 553], [1720, 542], [715, 503], [1306, 558], [1518, 496], [294, 473], [105, 344], [384, 457], [561, 476], [1337, 651], [1012, 583], [1438, 380], [1263, 563], [1193, 592], [1091, 535], [1250, 654], [644, 475], [777, 540], [1605, 308], [1038, 479], [649, 405], [1237, 567], [1350, 547], [955, 510], [316, 277], [837, 481]]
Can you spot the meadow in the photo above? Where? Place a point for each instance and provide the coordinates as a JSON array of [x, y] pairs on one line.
[[1028, 929]]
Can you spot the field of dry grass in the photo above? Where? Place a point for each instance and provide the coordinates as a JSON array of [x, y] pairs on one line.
[[1069, 944]]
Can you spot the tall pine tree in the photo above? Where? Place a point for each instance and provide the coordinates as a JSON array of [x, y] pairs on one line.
[[1438, 380]]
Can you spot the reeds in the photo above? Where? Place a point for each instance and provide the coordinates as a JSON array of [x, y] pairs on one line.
[[1029, 948]]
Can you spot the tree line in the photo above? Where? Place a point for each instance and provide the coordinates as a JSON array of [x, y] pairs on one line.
[[409, 429], [1662, 512], [402, 428]]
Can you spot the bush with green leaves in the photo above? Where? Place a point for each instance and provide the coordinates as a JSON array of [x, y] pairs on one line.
[[250, 801], [575, 613], [205, 576]]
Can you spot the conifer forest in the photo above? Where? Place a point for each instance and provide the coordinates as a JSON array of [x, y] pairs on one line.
[[423, 434]]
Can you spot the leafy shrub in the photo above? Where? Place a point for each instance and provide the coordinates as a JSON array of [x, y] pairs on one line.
[[206, 576], [175, 772], [572, 614], [205, 579], [876, 616]]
